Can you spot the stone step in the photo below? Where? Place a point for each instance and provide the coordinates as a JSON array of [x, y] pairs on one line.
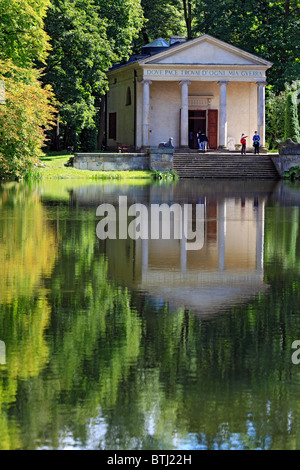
[[224, 166]]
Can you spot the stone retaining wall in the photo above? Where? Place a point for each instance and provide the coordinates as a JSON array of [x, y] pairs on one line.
[[111, 161], [161, 159], [288, 157], [154, 159]]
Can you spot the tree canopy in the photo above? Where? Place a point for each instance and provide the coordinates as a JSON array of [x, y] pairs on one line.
[[28, 110], [87, 37], [22, 35], [268, 29], [75, 42]]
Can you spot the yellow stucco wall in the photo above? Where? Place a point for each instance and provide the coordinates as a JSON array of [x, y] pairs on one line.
[[241, 111], [116, 103], [165, 104]]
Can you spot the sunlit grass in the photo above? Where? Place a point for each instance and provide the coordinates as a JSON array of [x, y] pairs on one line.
[[54, 168]]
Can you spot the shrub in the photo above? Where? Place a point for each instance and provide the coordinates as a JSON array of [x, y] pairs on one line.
[[24, 118], [292, 128]]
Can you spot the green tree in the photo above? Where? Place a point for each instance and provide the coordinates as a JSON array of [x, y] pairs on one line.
[[291, 127], [77, 64], [268, 29], [22, 35], [164, 19], [276, 104], [29, 110], [124, 19], [87, 37]]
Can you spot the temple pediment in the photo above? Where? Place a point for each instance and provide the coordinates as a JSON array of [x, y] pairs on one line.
[[206, 50]]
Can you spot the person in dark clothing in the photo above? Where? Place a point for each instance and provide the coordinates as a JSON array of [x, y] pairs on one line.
[[203, 141], [256, 140]]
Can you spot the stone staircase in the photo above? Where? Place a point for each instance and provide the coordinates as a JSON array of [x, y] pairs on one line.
[[224, 165]]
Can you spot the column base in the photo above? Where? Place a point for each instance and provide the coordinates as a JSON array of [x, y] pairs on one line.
[[222, 147], [263, 149]]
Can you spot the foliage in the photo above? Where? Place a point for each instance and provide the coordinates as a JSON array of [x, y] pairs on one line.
[[124, 19], [165, 175], [28, 112], [293, 173], [170, 22], [275, 113], [87, 37], [77, 64], [292, 126], [267, 29], [29, 109], [22, 36]]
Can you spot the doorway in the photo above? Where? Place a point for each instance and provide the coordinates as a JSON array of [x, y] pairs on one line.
[[197, 122]]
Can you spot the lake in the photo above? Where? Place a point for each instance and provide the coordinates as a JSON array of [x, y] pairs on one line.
[[145, 340]]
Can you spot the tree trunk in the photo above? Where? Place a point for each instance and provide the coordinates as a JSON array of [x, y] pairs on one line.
[[287, 10], [187, 7], [145, 36], [189, 19], [57, 136]]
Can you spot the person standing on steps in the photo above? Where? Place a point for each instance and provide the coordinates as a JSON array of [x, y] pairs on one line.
[[243, 142], [256, 140], [203, 141], [198, 139]]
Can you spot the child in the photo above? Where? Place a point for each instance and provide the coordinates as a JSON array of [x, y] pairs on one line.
[[243, 142]]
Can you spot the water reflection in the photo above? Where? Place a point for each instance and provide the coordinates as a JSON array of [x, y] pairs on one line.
[[228, 265], [122, 344]]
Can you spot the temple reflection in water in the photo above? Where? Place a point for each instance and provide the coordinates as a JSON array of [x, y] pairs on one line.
[[228, 267]]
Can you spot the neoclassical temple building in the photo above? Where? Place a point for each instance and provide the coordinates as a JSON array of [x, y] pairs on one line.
[[175, 88]]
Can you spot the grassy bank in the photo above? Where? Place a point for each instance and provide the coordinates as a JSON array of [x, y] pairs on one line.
[[54, 168]]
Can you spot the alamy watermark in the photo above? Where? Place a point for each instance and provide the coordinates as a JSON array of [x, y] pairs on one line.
[[2, 353], [156, 222], [2, 92], [296, 354]]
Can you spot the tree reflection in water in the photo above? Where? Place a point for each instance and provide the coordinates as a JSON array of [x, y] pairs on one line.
[[93, 363]]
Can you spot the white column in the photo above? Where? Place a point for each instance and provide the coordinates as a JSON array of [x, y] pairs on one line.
[[184, 124], [221, 234], [261, 120], [183, 241], [223, 115], [145, 255], [260, 233], [146, 112], [2, 353]]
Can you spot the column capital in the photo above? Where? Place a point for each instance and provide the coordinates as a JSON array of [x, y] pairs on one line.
[[146, 82], [185, 82], [223, 83], [261, 83]]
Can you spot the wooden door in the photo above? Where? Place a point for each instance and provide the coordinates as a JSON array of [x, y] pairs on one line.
[[212, 128], [197, 123]]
